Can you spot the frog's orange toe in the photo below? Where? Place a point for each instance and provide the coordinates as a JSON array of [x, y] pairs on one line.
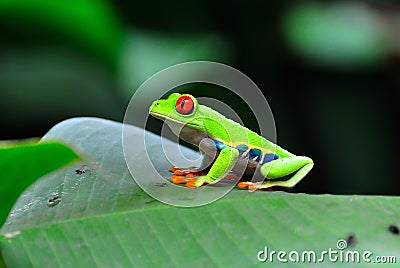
[[172, 169], [190, 185], [253, 187], [179, 172], [185, 171], [178, 179], [244, 184]]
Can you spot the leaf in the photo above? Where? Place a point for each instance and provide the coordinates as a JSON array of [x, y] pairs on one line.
[[21, 163], [105, 219], [2, 264]]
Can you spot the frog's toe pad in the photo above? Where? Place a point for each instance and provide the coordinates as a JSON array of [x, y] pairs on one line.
[[195, 182], [188, 179], [257, 186], [191, 183], [178, 179], [245, 184]]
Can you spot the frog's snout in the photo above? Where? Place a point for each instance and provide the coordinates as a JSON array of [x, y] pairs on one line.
[[154, 105]]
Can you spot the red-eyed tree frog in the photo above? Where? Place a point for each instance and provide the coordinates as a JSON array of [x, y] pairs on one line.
[[227, 146]]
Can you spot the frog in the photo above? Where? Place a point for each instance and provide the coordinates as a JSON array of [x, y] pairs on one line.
[[227, 146]]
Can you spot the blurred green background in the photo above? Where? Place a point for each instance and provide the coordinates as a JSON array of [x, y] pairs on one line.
[[330, 71]]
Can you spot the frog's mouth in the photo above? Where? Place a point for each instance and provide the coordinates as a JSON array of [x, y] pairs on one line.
[[188, 132], [171, 120]]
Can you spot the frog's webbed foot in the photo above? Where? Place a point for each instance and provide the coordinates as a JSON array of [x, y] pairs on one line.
[[189, 180], [252, 186], [188, 176], [246, 184], [187, 171], [194, 177], [182, 179], [197, 182]]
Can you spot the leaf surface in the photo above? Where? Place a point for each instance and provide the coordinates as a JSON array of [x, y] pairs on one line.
[[21, 163], [105, 219]]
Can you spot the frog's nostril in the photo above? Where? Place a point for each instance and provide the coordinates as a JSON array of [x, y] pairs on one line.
[[157, 103]]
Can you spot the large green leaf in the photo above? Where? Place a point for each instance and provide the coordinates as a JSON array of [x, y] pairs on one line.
[[104, 219], [21, 163]]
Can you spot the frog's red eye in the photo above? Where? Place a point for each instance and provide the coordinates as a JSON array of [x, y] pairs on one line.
[[184, 105]]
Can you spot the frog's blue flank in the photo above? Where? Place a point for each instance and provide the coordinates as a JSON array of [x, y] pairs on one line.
[[253, 154]]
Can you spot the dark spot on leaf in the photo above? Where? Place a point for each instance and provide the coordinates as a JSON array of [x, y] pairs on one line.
[[52, 202], [161, 184], [83, 170], [351, 240], [394, 229], [150, 201]]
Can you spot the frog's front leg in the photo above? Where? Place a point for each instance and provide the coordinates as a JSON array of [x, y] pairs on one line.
[[223, 164], [185, 175], [209, 152], [279, 168]]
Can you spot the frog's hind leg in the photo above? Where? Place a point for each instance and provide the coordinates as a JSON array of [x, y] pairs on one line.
[[274, 170]]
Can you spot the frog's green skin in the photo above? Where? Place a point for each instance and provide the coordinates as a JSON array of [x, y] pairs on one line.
[[208, 129]]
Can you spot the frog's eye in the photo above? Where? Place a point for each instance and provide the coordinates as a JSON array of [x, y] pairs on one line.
[[184, 105]]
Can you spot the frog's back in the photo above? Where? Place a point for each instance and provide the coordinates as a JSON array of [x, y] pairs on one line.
[[226, 132]]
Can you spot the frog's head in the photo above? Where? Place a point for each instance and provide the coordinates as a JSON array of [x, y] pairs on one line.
[[182, 109]]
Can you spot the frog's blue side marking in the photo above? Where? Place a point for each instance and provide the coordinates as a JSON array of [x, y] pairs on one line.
[[242, 148], [220, 145], [254, 154], [269, 158]]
